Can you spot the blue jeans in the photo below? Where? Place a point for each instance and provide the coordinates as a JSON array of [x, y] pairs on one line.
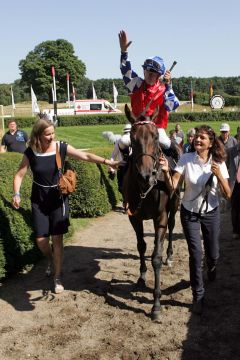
[[209, 224]]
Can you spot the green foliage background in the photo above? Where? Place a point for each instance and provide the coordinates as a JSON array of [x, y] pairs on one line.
[[96, 195]]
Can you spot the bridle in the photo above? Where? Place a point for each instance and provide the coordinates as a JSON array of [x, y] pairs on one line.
[[155, 157]]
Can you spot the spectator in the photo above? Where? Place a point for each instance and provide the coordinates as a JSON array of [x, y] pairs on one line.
[[173, 137], [190, 136], [237, 136], [225, 137], [200, 205], [233, 163], [179, 133], [50, 210], [14, 140]]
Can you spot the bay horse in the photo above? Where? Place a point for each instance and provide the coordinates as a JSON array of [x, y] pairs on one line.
[[147, 197]]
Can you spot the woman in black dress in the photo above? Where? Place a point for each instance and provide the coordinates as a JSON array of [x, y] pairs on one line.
[[50, 210]]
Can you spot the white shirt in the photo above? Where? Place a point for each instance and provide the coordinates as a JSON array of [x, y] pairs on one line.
[[196, 174]]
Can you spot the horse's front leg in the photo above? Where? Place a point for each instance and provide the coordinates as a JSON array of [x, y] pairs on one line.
[[137, 224], [171, 225], [160, 231]]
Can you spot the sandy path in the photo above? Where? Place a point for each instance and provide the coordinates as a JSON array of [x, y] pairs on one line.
[[102, 315]]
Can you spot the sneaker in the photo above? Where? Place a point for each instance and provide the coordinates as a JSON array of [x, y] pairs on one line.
[[197, 306], [58, 286], [212, 273]]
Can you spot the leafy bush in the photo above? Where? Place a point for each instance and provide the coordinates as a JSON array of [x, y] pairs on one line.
[[204, 117], [96, 119], [96, 194], [16, 232]]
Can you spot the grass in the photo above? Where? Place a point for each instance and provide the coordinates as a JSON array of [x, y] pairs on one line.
[[90, 137], [83, 137]]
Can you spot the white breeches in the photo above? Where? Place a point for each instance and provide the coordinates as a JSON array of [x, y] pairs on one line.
[[164, 139]]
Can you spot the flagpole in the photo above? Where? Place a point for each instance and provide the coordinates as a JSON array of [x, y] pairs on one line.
[[191, 96], [55, 96], [68, 92]]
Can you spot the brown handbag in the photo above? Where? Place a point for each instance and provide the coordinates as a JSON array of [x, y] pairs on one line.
[[67, 179]]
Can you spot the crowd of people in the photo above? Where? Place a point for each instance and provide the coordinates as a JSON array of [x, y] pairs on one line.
[[209, 167]]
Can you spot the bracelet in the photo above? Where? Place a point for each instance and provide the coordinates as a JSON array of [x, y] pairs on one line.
[[104, 161], [17, 194]]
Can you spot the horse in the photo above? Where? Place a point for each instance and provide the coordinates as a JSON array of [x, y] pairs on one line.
[[146, 196]]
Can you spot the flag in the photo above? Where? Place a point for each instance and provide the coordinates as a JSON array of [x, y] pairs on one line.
[[13, 103], [54, 85], [35, 107], [211, 89], [115, 95], [94, 95]]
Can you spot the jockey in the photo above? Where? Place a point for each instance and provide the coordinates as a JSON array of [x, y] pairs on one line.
[[150, 93], [122, 150]]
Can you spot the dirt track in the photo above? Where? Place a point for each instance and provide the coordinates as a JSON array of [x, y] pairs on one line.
[[102, 315]]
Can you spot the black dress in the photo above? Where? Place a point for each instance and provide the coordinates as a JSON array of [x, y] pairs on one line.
[[50, 209]]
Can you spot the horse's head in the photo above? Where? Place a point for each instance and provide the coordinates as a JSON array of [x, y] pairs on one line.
[[145, 148]]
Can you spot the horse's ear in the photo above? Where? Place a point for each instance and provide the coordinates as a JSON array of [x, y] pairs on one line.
[[128, 114], [155, 114]]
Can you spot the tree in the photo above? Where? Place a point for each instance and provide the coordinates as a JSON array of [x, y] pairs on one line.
[[36, 68]]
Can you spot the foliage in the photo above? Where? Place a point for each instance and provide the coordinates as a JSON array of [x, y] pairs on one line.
[[16, 232], [38, 73], [36, 68], [95, 119], [95, 196], [205, 117]]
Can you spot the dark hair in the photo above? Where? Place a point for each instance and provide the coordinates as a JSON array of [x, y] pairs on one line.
[[11, 120], [217, 150]]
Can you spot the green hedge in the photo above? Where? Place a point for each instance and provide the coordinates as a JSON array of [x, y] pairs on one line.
[[95, 195], [78, 120], [16, 233], [204, 117], [96, 119]]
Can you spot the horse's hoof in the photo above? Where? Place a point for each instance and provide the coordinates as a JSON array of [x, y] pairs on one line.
[[141, 283], [169, 262], [155, 315]]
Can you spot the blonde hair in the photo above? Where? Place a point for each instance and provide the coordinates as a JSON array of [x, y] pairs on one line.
[[37, 130]]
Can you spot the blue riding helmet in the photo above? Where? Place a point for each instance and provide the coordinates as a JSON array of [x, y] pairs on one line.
[[154, 63]]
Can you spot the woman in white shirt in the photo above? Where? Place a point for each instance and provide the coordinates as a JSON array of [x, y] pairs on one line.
[[200, 205]]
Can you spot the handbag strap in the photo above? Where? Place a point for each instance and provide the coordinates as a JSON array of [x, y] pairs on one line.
[[58, 159]]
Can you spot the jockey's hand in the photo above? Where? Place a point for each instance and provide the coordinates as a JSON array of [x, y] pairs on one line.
[[123, 41], [164, 163], [167, 77]]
